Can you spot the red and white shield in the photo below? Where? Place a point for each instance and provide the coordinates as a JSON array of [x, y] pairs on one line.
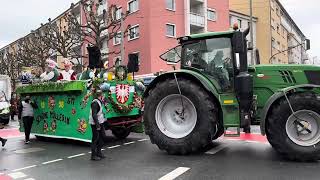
[[122, 93]]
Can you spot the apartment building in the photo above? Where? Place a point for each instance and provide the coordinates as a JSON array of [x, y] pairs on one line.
[[276, 31], [156, 25]]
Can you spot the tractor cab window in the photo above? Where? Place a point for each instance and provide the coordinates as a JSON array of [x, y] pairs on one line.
[[213, 57]]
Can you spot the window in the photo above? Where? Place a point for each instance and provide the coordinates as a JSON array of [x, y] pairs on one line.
[[278, 45], [214, 57], [272, 23], [117, 60], [117, 39], [212, 15], [118, 13], [171, 5], [239, 23], [101, 6], [277, 11], [133, 6], [272, 5], [134, 32], [278, 29], [171, 30], [273, 42]]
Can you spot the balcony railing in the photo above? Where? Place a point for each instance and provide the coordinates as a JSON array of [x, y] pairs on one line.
[[197, 20]]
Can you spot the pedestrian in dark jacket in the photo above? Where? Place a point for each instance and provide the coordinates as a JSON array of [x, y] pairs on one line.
[[96, 120], [26, 108]]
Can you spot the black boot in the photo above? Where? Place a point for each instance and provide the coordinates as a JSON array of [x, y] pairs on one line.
[[3, 141], [100, 155], [95, 158]]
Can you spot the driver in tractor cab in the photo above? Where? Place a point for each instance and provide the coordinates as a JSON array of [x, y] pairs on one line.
[[198, 62], [217, 68]]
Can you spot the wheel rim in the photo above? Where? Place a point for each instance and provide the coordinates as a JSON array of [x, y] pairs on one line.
[[170, 118], [303, 127]]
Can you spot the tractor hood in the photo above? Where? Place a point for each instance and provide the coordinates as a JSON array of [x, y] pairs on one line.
[[280, 76]]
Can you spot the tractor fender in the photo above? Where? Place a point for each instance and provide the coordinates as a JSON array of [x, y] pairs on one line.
[[210, 87], [277, 95]]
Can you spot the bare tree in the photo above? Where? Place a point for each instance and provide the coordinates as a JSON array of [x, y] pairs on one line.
[[97, 27], [62, 36], [33, 50], [8, 60]]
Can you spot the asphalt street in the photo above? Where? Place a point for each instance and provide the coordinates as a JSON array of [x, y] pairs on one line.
[[137, 159]]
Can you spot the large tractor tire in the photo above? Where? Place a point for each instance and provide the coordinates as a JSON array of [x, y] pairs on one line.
[[296, 135], [180, 124]]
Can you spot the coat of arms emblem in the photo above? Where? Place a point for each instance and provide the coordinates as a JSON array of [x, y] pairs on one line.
[[122, 93]]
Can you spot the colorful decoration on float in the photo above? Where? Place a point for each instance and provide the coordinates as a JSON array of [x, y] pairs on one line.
[[51, 102], [82, 126], [61, 104]]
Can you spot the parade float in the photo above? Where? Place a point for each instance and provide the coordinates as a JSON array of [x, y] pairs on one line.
[[64, 107]]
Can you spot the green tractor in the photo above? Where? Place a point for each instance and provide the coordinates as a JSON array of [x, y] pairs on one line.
[[186, 109]]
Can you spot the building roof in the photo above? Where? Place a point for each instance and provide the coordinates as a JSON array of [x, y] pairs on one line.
[[290, 19]]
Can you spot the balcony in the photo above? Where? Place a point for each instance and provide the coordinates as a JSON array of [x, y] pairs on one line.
[[197, 20]]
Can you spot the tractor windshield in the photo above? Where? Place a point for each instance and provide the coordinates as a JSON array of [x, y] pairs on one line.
[[212, 56]]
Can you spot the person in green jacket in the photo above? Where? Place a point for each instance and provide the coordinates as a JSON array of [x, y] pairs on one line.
[[51, 74], [88, 73]]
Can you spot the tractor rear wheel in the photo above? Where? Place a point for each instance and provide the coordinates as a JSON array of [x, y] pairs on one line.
[[296, 135], [180, 123]]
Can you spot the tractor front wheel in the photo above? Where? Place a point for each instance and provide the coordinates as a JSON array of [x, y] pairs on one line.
[[180, 123], [296, 135]]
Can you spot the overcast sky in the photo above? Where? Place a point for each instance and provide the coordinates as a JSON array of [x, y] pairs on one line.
[[19, 17]]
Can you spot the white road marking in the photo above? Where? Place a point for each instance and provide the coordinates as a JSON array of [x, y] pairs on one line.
[[248, 141], [216, 149], [89, 152], [143, 140], [28, 167], [48, 162], [29, 179], [77, 155], [111, 147], [103, 149], [28, 150], [132, 142], [17, 175], [175, 173]]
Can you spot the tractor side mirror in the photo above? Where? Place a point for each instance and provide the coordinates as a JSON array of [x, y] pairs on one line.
[[173, 55], [238, 41], [307, 44]]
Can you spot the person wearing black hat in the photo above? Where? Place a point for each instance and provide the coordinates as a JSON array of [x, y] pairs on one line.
[[96, 120]]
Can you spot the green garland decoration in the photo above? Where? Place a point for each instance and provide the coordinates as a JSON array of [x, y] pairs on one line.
[[120, 108], [52, 87]]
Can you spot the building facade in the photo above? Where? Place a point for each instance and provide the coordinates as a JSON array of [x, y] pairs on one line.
[[156, 25], [275, 28]]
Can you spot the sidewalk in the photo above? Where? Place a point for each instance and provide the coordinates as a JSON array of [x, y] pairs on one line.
[[11, 130]]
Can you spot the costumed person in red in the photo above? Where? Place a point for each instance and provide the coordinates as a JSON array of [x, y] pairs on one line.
[[68, 73]]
